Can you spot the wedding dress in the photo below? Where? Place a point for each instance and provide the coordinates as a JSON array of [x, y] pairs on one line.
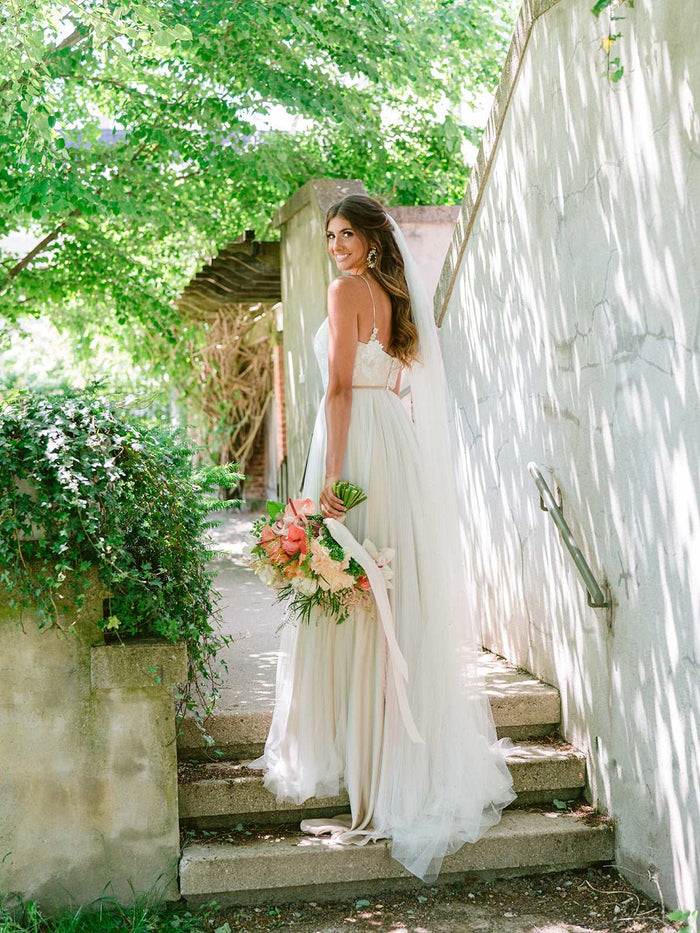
[[336, 720]]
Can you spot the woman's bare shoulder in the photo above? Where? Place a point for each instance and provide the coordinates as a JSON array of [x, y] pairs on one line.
[[344, 296], [344, 285]]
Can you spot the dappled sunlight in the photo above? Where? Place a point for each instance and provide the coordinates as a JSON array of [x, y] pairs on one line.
[[571, 339], [231, 535], [250, 616]]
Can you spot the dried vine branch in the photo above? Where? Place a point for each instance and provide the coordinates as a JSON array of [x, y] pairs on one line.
[[229, 387]]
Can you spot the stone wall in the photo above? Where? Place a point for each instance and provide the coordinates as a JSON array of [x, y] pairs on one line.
[[570, 310], [88, 793]]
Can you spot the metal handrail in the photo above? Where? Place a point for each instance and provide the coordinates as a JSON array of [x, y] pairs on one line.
[[593, 590]]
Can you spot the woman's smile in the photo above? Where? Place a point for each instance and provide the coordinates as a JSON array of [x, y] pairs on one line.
[[345, 246]]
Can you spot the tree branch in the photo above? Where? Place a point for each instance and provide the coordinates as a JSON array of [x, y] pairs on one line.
[[73, 39], [50, 237], [40, 247]]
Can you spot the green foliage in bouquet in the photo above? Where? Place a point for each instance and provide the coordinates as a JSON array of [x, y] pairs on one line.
[[349, 493], [83, 484]]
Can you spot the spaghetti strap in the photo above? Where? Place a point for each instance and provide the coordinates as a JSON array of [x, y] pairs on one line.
[[374, 316]]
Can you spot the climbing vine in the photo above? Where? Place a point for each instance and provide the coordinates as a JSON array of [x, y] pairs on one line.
[[614, 70]]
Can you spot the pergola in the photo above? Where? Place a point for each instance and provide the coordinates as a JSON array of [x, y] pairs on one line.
[[233, 298], [244, 271]]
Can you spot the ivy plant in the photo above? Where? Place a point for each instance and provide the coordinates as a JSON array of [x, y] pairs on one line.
[[86, 484]]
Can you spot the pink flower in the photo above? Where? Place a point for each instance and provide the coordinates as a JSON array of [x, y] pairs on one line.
[[297, 508], [295, 540]]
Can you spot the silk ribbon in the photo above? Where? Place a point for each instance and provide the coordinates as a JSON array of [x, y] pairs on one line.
[[351, 546]]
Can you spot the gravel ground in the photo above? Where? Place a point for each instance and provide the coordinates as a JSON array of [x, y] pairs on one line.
[[555, 902]]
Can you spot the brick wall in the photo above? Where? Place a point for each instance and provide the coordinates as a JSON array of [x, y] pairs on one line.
[[256, 470], [278, 378], [255, 486]]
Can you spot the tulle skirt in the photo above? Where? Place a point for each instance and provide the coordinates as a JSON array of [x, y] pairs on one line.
[[336, 721]]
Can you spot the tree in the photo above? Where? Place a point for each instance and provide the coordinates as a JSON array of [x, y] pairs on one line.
[[123, 217]]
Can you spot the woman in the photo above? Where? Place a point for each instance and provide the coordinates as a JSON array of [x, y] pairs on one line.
[[420, 759]]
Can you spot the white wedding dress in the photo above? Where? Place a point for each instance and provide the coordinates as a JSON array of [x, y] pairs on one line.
[[336, 721]]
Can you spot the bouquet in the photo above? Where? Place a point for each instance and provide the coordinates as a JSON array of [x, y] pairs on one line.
[[294, 552]]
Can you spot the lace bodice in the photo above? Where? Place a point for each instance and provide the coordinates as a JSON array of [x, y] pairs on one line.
[[373, 365]]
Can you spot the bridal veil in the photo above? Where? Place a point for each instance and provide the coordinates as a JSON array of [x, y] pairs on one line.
[[434, 797]]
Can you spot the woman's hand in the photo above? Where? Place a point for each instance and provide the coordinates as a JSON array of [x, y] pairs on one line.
[[331, 506]]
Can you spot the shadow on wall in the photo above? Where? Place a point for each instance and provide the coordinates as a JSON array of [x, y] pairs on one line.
[[571, 338]]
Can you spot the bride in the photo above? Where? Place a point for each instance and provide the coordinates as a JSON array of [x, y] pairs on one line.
[[417, 752]]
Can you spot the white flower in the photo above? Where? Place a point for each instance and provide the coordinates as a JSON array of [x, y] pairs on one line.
[[381, 558], [268, 574], [305, 585]]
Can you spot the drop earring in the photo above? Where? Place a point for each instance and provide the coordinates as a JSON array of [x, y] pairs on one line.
[[372, 258]]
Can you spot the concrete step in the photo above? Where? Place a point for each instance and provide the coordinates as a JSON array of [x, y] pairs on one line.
[[524, 707], [282, 866], [223, 794]]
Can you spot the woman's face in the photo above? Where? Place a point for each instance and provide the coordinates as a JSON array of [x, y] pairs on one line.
[[345, 246]]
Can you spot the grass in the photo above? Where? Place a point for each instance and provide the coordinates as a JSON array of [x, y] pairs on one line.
[[141, 917]]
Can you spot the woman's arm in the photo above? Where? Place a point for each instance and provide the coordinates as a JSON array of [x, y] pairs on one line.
[[342, 349]]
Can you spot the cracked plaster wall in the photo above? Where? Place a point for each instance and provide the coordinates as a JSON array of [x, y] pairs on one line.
[[571, 338]]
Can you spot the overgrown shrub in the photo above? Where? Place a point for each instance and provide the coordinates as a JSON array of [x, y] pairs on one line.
[[84, 483]]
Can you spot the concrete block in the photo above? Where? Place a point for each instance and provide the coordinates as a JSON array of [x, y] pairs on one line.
[[137, 663], [88, 796]]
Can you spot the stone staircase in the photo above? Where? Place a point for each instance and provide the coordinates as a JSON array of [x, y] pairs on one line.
[[241, 847]]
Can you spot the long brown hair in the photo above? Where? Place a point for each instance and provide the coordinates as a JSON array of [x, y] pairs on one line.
[[368, 218]]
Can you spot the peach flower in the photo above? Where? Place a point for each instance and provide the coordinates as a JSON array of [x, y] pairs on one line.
[[272, 543], [332, 572], [290, 569]]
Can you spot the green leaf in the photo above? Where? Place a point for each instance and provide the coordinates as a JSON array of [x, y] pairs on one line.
[[275, 509], [163, 38], [181, 32], [146, 14]]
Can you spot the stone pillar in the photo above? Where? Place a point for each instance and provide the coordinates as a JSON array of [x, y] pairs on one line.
[[88, 793]]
